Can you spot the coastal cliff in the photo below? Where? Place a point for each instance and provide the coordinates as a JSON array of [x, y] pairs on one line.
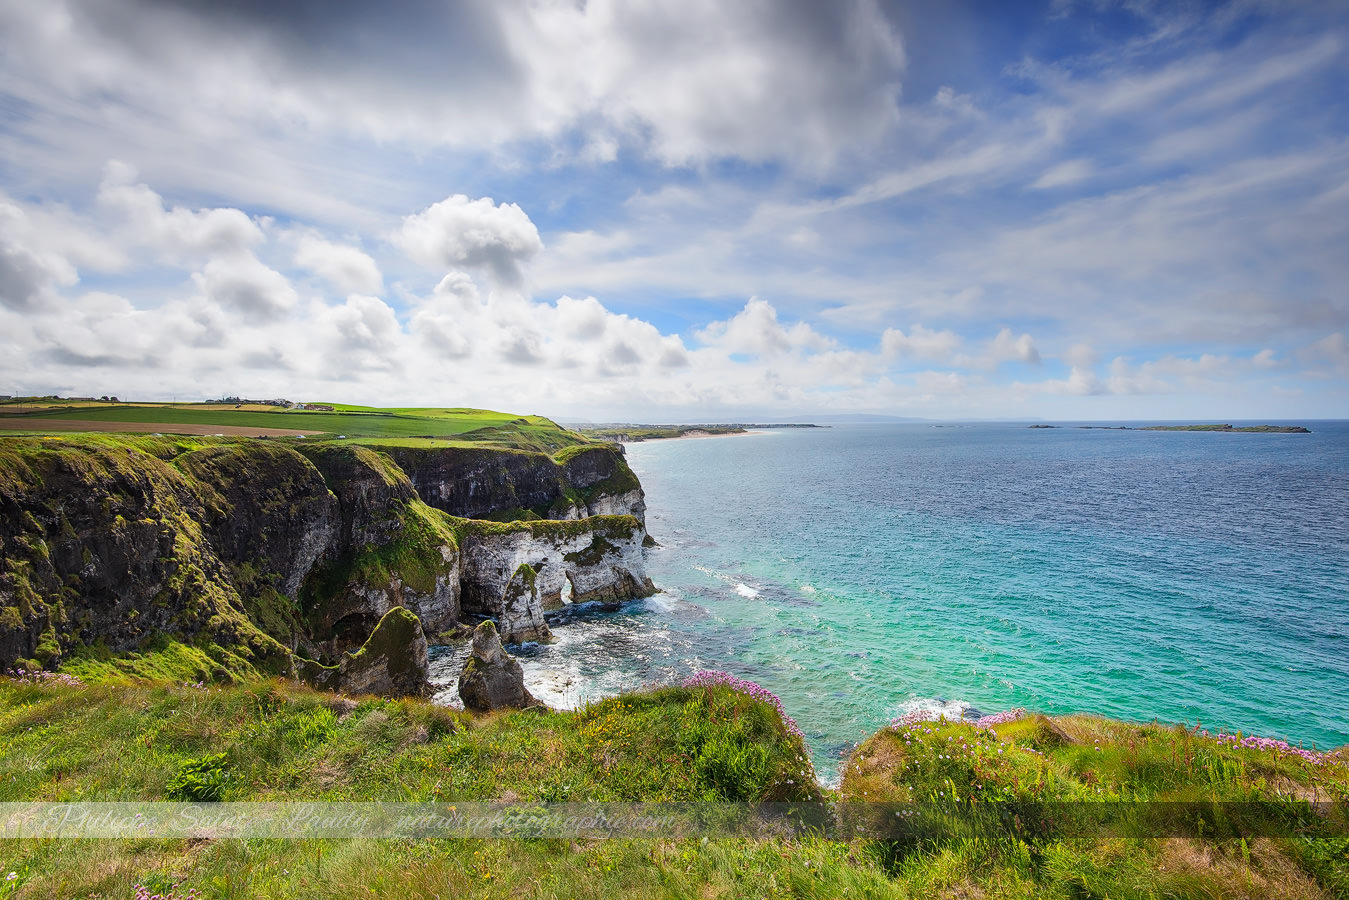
[[265, 551], [477, 483]]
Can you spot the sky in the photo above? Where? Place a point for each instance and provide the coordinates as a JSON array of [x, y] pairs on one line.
[[681, 210]]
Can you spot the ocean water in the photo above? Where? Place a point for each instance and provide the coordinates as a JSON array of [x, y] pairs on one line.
[[861, 572]]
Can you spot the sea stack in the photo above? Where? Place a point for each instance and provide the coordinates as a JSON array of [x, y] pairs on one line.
[[491, 679]]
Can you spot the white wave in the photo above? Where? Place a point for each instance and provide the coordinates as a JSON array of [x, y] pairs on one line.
[[934, 708], [665, 601], [745, 590], [807, 588]]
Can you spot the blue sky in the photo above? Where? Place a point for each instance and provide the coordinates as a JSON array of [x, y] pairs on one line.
[[650, 210]]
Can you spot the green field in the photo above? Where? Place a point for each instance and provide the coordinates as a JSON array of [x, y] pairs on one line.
[[409, 426]]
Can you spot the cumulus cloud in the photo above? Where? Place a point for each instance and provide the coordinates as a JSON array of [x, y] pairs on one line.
[[232, 310], [1081, 381], [920, 343], [101, 330], [1333, 349], [349, 269], [360, 335], [1009, 347], [244, 284], [461, 233], [27, 274], [756, 330], [173, 232]]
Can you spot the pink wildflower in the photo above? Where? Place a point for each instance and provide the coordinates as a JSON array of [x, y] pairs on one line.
[[709, 678]]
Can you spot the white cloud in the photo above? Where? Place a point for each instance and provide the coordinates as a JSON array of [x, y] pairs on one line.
[[756, 330], [1332, 349], [1009, 347], [174, 233], [703, 79], [920, 343], [1266, 359], [1065, 173], [1080, 356], [100, 329], [361, 335], [1081, 381], [461, 233], [685, 82], [27, 274], [243, 284], [347, 268]]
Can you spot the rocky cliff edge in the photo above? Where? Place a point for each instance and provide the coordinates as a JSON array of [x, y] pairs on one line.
[[264, 551]]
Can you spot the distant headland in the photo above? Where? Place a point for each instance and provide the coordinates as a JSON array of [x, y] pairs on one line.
[[636, 433]]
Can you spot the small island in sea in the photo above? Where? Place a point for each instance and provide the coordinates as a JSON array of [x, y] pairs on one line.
[[1227, 429], [1238, 429]]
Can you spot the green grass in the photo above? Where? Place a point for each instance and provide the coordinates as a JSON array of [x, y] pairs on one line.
[[162, 659], [1054, 773], [273, 741], [123, 740], [474, 426]]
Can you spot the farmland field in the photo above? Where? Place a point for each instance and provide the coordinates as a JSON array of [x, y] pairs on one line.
[[361, 424]]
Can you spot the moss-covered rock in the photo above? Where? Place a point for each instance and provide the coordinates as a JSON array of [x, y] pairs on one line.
[[103, 541], [264, 548], [481, 483], [491, 679], [392, 662]]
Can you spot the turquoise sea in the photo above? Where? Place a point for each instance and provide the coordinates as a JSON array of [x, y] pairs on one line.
[[861, 572]]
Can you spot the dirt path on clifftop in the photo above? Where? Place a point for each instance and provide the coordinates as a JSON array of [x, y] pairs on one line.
[[43, 426]]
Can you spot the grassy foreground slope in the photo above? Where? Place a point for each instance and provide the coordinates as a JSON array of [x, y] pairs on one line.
[[270, 740]]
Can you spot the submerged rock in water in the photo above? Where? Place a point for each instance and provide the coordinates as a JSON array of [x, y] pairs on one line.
[[491, 679]]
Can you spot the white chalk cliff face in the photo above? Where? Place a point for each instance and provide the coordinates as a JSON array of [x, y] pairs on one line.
[[629, 503], [601, 558]]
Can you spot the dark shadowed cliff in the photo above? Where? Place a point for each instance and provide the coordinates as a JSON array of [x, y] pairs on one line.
[[259, 549]]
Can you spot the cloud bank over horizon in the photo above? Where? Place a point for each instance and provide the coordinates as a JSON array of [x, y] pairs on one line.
[[686, 212]]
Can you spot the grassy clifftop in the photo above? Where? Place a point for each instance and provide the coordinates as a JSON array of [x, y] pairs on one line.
[[395, 426], [274, 741]]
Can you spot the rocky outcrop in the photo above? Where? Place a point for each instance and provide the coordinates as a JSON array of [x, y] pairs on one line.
[[521, 612], [603, 482], [491, 679], [601, 558], [476, 483], [104, 544], [391, 550], [268, 547], [391, 663]]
